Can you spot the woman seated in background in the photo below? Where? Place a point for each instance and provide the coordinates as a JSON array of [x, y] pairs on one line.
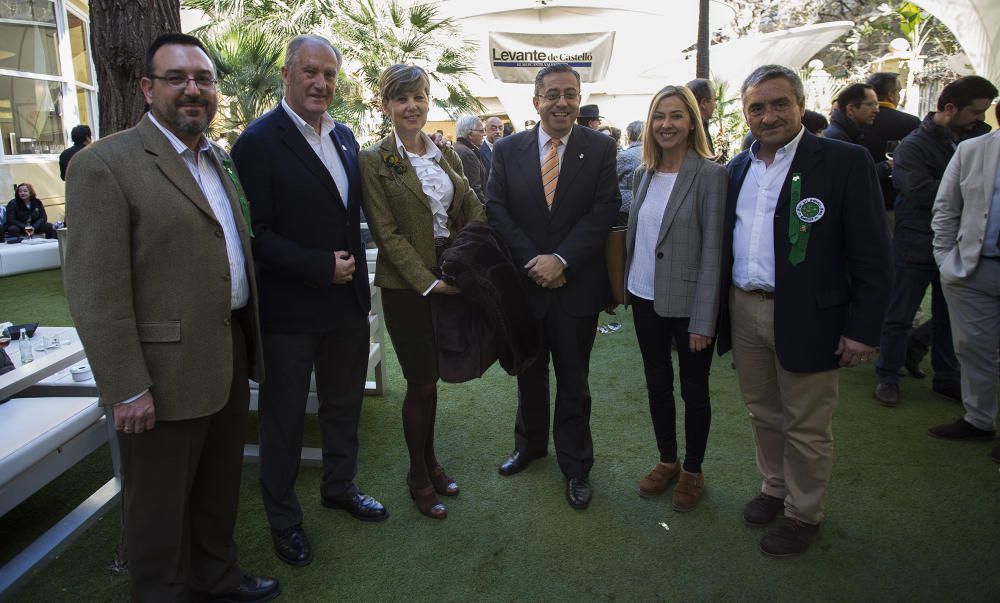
[[416, 199], [672, 282], [26, 214]]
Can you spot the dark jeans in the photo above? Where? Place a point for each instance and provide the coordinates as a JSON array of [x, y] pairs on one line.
[[655, 333], [907, 292]]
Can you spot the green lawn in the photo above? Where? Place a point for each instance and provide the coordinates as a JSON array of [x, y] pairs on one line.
[[909, 517]]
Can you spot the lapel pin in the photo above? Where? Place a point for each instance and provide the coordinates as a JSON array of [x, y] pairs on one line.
[[581, 155], [344, 148]]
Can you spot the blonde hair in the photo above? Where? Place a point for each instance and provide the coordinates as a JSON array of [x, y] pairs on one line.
[[402, 78], [697, 140]]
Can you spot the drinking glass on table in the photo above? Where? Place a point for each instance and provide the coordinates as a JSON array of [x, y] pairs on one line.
[[4, 340]]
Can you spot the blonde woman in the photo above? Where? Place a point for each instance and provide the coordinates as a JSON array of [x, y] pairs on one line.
[[415, 198], [672, 282]]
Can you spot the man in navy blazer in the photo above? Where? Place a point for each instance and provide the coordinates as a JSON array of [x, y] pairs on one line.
[[804, 291], [299, 168], [555, 224]]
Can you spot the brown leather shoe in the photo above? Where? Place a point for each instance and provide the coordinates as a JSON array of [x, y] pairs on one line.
[[688, 491], [658, 479], [762, 510], [790, 537], [887, 394]]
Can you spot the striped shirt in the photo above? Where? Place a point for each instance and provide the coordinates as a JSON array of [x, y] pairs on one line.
[[206, 173]]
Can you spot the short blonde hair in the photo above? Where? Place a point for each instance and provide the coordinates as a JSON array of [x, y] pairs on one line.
[[402, 78], [697, 140]]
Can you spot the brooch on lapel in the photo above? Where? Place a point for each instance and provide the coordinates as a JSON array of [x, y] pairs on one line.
[[393, 162]]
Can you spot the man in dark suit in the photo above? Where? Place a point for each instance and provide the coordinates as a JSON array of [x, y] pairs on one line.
[[890, 124], [552, 198], [80, 135], [494, 132], [805, 290], [301, 176], [167, 310]]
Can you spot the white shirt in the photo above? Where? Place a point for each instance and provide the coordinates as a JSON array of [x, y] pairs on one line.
[[753, 237], [206, 174], [642, 271], [433, 180], [324, 147]]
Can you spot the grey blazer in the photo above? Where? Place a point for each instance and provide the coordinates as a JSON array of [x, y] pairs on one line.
[[689, 246]]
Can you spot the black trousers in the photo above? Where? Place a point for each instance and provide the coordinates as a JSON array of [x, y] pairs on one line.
[[569, 340], [340, 358], [181, 492], [655, 333]]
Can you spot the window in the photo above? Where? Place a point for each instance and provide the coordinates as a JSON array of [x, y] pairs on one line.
[[28, 36], [31, 116]]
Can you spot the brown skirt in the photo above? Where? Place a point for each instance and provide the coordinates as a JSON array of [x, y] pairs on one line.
[[411, 328]]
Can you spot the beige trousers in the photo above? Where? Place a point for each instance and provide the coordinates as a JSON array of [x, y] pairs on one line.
[[791, 413]]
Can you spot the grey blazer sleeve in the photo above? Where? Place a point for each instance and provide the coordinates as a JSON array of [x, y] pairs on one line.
[[711, 204]]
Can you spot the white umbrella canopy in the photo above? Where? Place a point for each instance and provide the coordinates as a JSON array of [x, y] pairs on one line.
[[976, 25]]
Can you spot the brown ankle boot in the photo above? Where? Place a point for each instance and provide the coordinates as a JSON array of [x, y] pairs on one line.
[[688, 491], [658, 479]]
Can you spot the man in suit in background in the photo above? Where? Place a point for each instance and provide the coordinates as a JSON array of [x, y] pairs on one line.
[[552, 198], [966, 227], [704, 92], [804, 291], [494, 132], [161, 290], [301, 175], [80, 135], [890, 124]]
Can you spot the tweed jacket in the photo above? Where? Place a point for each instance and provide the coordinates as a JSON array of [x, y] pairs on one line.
[[689, 247], [962, 207], [399, 214], [147, 275]]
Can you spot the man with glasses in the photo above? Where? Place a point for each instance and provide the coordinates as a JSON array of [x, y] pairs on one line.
[[856, 106], [470, 134], [161, 287], [552, 197]]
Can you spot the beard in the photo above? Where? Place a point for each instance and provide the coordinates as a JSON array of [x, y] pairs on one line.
[[193, 125]]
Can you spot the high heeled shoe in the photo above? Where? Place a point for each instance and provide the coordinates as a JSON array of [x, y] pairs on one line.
[[426, 500], [443, 484]]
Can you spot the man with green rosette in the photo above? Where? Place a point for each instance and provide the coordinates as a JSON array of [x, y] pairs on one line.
[[804, 293]]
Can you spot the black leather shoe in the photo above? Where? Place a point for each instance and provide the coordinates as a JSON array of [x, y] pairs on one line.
[[578, 492], [517, 462], [253, 589], [887, 394], [361, 506], [292, 546]]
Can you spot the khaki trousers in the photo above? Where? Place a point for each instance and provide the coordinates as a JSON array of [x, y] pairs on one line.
[[791, 413]]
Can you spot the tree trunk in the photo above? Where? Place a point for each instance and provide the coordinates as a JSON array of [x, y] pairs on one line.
[[702, 68], [120, 32]]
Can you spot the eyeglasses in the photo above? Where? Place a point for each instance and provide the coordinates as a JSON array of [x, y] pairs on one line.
[[480, 130], [554, 95], [204, 81]]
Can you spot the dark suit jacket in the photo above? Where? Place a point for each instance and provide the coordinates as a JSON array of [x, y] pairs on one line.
[[585, 206], [147, 275], [487, 154], [65, 156], [299, 220], [842, 287], [472, 166], [890, 124]]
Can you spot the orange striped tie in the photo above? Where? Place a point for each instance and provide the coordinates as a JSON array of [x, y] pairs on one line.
[[550, 171]]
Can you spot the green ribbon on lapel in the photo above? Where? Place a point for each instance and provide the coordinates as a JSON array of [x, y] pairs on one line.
[[798, 231], [244, 206]]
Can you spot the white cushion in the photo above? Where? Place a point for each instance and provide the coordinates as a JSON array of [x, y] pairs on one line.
[[41, 254], [31, 428]]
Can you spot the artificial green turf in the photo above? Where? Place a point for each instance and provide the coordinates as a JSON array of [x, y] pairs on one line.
[[909, 517]]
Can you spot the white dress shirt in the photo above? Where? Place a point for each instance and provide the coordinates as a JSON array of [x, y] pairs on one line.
[[324, 147], [642, 272], [753, 237]]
